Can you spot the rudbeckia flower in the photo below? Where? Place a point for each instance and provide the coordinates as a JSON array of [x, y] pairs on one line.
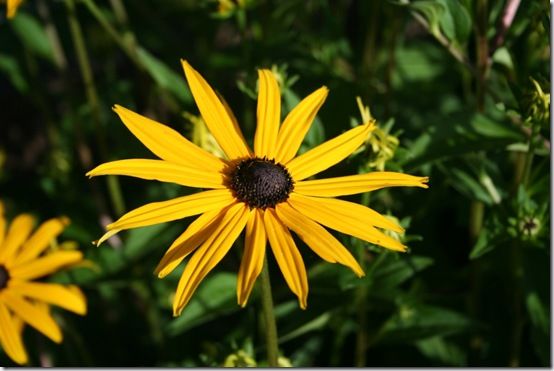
[[263, 191], [24, 259]]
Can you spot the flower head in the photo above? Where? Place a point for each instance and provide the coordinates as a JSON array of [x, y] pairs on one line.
[[24, 258], [263, 190], [380, 144]]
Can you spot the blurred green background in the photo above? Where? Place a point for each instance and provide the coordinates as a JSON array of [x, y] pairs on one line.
[[463, 88]]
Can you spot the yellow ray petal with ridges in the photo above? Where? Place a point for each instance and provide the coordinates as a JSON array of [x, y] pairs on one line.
[[166, 143], [12, 8], [10, 338], [317, 238], [350, 210], [195, 234], [162, 171], [268, 114], [62, 296], [357, 225], [46, 265], [19, 230], [41, 239], [297, 123], [210, 253], [352, 184], [225, 131], [287, 255], [165, 211], [253, 258], [40, 320], [329, 153], [3, 223]]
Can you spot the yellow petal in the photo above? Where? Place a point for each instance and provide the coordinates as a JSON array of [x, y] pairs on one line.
[[349, 185], [196, 233], [329, 153], [269, 114], [12, 7], [346, 217], [163, 171], [287, 255], [19, 230], [46, 265], [317, 238], [166, 143], [225, 131], [40, 320], [41, 239], [350, 210], [10, 338], [65, 297], [297, 123], [209, 254], [253, 258], [165, 211]]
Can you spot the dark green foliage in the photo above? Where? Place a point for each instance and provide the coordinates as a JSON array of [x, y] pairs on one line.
[[474, 290]]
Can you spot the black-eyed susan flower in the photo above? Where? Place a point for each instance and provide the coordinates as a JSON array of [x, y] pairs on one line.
[[24, 259], [264, 191]]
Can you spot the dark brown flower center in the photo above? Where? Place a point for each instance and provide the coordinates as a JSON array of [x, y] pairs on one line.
[[4, 277], [261, 183]]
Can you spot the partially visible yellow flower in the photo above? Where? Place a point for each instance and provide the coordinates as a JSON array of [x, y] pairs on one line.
[[239, 359], [24, 258], [201, 135], [381, 144], [226, 7], [538, 103], [12, 7], [264, 190]]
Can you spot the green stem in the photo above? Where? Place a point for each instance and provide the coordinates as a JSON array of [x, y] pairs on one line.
[[269, 318], [529, 155], [516, 259], [52, 34], [127, 44], [93, 101]]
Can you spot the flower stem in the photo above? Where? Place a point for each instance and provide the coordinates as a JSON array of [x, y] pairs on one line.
[[93, 100], [270, 325], [127, 44]]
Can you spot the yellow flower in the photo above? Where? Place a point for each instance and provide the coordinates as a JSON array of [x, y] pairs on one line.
[[12, 7], [263, 190], [23, 259], [381, 144]]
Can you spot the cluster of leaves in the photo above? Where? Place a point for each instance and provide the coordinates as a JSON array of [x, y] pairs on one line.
[[461, 89]]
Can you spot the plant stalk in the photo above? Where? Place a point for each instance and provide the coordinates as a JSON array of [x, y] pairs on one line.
[[93, 101], [270, 324]]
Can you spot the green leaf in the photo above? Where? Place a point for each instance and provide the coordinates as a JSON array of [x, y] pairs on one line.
[[215, 297], [11, 68], [537, 312], [317, 323], [438, 349], [393, 273], [415, 322], [490, 128], [140, 242], [164, 76], [455, 21], [32, 34], [433, 12]]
